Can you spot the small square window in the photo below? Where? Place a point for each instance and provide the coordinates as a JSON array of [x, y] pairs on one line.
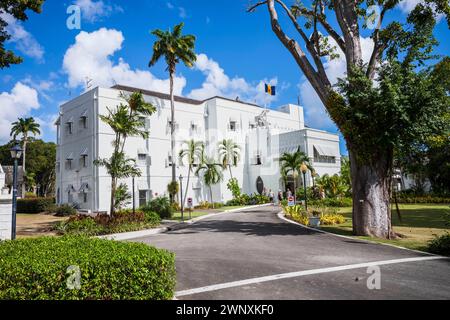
[[232, 125]]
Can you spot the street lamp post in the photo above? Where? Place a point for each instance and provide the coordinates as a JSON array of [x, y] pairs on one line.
[[134, 200], [16, 153], [181, 196], [304, 169]]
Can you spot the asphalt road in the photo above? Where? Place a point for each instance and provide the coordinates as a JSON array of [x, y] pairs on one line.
[[262, 251]]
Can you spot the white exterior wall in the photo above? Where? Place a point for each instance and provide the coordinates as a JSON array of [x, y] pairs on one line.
[[212, 118], [5, 216]]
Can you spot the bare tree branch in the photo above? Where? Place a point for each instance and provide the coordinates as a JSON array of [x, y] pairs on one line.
[[300, 57], [378, 47], [256, 5], [309, 45]]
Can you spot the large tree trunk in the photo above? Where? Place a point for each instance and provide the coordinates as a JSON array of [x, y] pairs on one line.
[[172, 127], [371, 190]]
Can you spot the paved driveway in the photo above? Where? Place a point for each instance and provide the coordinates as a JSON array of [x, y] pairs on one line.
[[254, 255]]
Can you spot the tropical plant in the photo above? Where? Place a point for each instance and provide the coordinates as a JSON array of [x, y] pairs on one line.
[[125, 120], [192, 153], [123, 197], [290, 165], [161, 206], [334, 186], [233, 186], [24, 127], [229, 154], [173, 188], [211, 172], [175, 48]]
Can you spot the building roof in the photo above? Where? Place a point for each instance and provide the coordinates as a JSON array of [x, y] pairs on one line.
[[166, 96]]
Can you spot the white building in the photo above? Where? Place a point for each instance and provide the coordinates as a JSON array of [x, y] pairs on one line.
[[261, 133]]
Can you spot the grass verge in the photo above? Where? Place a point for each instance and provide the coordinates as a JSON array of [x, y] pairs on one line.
[[420, 224]]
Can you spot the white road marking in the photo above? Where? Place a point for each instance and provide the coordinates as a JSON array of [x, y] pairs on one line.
[[300, 274]]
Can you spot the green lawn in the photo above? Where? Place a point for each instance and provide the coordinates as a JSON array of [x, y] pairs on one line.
[[420, 223]]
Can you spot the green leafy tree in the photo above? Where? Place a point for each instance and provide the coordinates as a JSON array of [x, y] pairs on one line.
[[290, 165], [41, 157], [192, 153], [380, 105], [24, 127], [175, 48], [17, 9], [173, 188], [211, 172], [125, 120], [229, 154]]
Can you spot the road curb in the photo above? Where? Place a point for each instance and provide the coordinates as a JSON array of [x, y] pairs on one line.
[[282, 216], [133, 234]]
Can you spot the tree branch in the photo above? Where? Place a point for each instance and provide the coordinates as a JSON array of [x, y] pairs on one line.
[[378, 48], [300, 57], [310, 46]]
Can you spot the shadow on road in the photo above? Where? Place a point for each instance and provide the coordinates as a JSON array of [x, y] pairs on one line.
[[245, 227]]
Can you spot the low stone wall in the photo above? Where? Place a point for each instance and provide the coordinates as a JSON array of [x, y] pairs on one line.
[[5, 217]]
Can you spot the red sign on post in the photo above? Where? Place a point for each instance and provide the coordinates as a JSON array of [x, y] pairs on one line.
[[189, 202], [291, 201]]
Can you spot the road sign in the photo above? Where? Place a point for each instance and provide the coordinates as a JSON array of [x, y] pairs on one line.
[[189, 202], [291, 201]]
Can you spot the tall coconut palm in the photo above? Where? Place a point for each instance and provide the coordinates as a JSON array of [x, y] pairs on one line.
[[290, 164], [193, 154], [24, 127], [229, 154], [212, 173], [175, 48]]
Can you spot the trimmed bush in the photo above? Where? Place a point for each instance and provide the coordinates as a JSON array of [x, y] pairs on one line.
[[37, 269], [34, 205], [65, 210], [422, 199], [161, 206], [332, 202], [440, 245], [122, 221]]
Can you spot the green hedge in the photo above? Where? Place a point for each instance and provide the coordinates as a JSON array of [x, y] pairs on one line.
[[37, 269], [423, 199], [332, 202], [34, 205]]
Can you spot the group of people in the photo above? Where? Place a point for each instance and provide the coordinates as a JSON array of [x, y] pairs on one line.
[[280, 196]]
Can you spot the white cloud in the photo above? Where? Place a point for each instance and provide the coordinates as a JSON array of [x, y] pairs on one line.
[[23, 40], [217, 83], [182, 13], [315, 113], [93, 11], [15, 104], [91, 56], [408, 5]]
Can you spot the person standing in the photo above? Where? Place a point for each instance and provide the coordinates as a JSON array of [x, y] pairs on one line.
[[271, 196], [280, 196]]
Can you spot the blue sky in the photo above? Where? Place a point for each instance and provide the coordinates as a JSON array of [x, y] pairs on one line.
[[238, 53]]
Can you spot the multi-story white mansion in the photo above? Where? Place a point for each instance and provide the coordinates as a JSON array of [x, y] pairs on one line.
[[262, 134]]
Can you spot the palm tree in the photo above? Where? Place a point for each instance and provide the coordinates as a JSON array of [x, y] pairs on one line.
[[212, 173], [291, 162], [193, 154], [125, 121], [174, 47], [229, 154], [24, 127]]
